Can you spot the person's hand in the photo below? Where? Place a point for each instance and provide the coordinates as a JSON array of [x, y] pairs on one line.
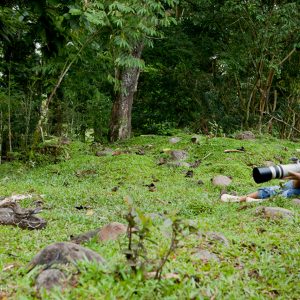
[[293, 176]]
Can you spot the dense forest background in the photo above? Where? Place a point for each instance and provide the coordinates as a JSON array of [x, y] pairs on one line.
[[114, 68]]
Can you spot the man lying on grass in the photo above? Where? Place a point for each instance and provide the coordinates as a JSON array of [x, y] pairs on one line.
[[289, 189]]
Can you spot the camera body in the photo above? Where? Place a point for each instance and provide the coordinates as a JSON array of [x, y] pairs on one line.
[[263, 174]]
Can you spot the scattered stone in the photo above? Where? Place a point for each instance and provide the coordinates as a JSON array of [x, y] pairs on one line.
[[112, 231], [296, 202], [221, 180], [115, 188], [64, 253], [200, 182], [140, 152], [246, 135], [179, 155], [274, 212], [49, 279], [154, 179], [174, 140], [294, 159], [161, 161], [151, 187], [195, 139], [205, 256], [189, 173], [216, 236]]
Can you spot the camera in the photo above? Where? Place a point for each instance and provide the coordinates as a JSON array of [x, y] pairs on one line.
[[263, 174]]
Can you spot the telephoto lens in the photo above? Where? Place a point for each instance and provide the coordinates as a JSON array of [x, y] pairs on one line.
[[263, 174]]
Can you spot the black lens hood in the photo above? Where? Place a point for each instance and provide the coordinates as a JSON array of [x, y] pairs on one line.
[[262, 174]]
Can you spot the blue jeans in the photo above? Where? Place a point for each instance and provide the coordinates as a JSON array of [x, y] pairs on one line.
[[287, 190]]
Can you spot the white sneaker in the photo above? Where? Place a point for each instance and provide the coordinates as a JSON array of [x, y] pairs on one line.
[[230, 198], [249, 199]]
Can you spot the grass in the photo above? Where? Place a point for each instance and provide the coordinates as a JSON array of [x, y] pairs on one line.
[[261, 261]]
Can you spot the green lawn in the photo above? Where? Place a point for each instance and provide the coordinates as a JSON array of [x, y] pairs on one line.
[[261, 261]]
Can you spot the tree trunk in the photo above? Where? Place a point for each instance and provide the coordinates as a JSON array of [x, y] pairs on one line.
[[120, 121]]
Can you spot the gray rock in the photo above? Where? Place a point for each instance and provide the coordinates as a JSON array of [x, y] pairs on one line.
[[49, 279], [179, 155], [205, 255], [64, 253], [221, 180], [246, 135], [274, 212], [216, 236], [174, 140], [296, 202]]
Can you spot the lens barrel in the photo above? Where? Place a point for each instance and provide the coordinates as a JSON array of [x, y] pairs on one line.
[[263, 174]]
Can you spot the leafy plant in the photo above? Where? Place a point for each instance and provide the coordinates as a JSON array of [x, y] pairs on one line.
[[140, 231]]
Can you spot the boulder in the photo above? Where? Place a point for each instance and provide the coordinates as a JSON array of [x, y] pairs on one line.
[[216, 236], [179, 155], [204, 255], [64, 253]]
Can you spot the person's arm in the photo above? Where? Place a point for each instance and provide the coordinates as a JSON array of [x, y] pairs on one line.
[[294, 176]]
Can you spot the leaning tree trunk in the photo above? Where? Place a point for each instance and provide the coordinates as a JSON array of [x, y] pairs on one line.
[[120, 121]]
